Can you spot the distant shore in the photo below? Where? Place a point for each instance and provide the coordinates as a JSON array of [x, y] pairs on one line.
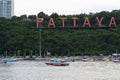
[[75, 58]]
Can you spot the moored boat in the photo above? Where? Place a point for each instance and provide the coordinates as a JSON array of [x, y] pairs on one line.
[[30, 58], [116, 58], [8, 60], [57, 63]]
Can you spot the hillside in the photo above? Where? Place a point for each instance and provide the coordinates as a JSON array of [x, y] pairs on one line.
[[19, 35]]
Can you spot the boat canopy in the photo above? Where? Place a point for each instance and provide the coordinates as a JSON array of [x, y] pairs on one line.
[[116, 54]]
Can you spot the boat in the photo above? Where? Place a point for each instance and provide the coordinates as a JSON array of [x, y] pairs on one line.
[[30, 58], [8, 60], [116, 58], [57, 63], [69, 60]]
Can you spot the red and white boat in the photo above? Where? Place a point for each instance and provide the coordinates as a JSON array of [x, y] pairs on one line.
[[57, 63]]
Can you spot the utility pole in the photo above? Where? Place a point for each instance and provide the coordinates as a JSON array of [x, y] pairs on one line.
[[40, 42], [39, 20]]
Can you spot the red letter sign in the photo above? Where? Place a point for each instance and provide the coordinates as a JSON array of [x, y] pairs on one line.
[[99, 21], [74, 20], [51, 23], [63, 21], [86, 22], [39, 21], [112, 22]]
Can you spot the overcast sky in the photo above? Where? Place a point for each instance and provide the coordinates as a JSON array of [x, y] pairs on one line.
[[33, 7]]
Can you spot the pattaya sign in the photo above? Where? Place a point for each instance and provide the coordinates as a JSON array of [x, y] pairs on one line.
[[86, 22]]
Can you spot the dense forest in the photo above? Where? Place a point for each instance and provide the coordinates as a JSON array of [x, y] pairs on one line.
[[19, 35]]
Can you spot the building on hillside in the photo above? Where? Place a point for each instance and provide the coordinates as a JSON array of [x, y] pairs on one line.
[[6, 8]]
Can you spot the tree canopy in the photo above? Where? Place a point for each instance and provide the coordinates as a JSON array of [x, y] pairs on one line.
[[20, 35]]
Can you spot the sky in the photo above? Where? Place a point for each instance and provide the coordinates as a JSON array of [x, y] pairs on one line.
[[66, 7]]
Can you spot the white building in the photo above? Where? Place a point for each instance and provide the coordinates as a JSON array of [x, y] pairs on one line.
[[6, 8]]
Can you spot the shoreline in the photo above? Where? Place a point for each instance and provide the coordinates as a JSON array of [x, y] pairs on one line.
[[69, 59]]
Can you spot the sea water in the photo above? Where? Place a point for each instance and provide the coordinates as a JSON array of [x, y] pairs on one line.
[[38, 70]]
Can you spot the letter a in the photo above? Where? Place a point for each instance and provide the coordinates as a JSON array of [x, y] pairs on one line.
[[112, 22], [86, 22], [51, 23]]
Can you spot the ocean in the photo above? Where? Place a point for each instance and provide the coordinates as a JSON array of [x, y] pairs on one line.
[[38, 70]]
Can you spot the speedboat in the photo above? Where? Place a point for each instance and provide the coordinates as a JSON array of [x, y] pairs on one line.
[[116, 58], [8, 60], [57, 63]]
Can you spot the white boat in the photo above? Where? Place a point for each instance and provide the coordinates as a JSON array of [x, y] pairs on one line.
[[57, 62], [8, 60], [69, 60], [116, 58]]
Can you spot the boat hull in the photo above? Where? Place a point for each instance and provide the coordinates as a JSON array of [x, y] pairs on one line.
[[8, 60], [116, 61], [58, 64]]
